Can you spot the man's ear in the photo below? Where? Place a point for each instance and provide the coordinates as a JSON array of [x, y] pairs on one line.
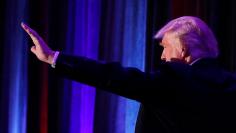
[[185, 53]]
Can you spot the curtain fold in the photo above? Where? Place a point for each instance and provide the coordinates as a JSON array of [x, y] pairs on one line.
[[122, 22], [84, 23], [14, 82]]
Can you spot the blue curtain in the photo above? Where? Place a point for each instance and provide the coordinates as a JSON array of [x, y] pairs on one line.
[[14, 70], [124, 42], [82, 39], [124, 30]]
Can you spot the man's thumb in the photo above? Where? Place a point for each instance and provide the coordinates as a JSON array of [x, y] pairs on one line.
[[33, 49]]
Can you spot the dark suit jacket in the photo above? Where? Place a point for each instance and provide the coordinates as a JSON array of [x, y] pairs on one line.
[[178, 98]]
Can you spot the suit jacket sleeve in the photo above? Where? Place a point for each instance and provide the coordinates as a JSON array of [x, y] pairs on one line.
[[112, 77]]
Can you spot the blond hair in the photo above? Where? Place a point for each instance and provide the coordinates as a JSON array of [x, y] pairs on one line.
[[193, 34]]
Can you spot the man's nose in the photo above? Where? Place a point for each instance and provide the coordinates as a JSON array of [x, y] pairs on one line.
[[163, 56]]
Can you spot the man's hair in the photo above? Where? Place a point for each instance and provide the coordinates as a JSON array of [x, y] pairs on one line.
[[193, 34]]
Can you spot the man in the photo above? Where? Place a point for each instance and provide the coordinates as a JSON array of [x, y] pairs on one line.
[[189, 94]]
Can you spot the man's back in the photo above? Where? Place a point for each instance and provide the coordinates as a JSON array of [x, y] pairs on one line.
[[203, 102]]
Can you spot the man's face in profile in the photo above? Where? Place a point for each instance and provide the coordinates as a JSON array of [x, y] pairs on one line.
[[172, 49]]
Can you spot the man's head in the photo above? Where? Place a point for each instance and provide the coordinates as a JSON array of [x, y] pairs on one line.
[[186, 39]]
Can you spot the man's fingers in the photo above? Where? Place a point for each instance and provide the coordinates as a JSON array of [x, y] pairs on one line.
[[28, 29], [34, 36]]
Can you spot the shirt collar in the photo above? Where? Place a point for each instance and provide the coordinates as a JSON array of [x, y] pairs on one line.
[[194, 61]]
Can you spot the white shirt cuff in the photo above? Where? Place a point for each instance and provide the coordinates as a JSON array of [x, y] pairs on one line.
[[55, 59]]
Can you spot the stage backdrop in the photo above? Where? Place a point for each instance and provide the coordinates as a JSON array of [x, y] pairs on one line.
[[34, 100]]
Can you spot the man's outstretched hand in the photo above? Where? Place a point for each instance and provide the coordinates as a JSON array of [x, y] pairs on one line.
[[40, 48]]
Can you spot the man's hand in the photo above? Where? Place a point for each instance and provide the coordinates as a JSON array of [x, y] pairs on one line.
[[40, 48]]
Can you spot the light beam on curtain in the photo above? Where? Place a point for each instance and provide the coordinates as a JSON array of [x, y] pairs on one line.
[[133, 55], [134, 50], [123, 40], [15, 66], [83, 35]]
